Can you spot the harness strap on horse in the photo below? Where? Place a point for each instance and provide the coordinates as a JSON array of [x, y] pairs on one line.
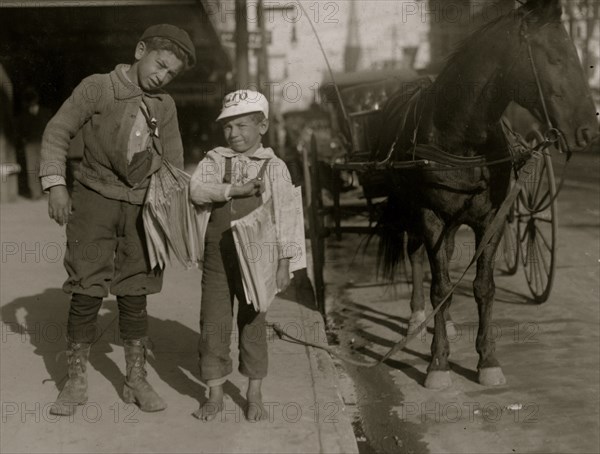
[[526, 171]]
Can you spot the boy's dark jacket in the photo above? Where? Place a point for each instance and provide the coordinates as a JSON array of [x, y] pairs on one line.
[[106, 105]]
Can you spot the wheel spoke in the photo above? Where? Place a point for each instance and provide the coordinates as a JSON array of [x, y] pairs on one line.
[[541, 202], [545, 241], [532, 265], [541, 275], [522, 239], [538, 269], [543, 259], [527, 263]]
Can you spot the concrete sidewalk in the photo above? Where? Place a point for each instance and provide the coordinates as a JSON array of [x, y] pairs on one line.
[[301, 391]]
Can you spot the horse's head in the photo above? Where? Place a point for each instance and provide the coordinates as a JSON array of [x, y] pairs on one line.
[[560, 87]]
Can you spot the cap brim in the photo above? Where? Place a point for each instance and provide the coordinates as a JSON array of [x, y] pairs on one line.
[[233, 112]]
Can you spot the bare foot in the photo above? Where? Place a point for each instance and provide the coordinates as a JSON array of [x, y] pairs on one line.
[[255, 410], [212, 407]]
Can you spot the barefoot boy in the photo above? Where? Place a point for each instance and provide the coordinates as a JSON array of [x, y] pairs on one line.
[[228, 179]]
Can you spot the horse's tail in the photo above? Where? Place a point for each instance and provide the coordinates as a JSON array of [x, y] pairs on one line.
[[393, 228]]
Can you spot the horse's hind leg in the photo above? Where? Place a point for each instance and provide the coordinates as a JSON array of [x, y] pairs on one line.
[[416, 254], [438, 373], [490, 373]]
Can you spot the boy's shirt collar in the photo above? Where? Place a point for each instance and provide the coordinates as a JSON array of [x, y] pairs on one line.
[[260, 153], [126, 89]]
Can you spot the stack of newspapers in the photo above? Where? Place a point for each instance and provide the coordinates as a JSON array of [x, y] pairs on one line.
[[256, 244], [173, 224], [254, 236]]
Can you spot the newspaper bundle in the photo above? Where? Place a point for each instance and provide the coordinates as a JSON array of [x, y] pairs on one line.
[[173, 224], [256, 245]]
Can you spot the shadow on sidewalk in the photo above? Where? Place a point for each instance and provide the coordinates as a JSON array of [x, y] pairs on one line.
[[41, 320], [301, 290]]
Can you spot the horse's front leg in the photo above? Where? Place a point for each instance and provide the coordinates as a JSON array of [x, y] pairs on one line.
[[438, 373], [416, 254], [490, 373], [450, 243]]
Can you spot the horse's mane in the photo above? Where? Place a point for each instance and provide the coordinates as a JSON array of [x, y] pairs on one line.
[[459, 66], [454, 59], [395, 112], [476, 36]]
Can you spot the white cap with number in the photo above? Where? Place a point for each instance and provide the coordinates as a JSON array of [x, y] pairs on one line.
[[243, 102]]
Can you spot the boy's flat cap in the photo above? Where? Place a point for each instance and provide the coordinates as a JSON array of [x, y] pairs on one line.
[[175, 34]]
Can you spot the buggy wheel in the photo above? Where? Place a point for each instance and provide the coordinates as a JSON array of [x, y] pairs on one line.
[[537, 229]]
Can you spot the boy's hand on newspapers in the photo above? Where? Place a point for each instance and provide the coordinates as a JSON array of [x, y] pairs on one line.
[[59, 204], [246, 190], [282, 278]]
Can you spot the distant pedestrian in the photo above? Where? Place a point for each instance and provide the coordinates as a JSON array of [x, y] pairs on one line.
[[129, 127], [30, 128], [229, 180]]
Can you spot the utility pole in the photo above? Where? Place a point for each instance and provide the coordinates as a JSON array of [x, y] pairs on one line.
[[263, 64], [352, 50], [394, 43], [263, 69], [263, 54], [241, 42]]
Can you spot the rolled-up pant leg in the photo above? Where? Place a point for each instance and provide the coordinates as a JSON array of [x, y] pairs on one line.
[[221, 281], [216, 318]]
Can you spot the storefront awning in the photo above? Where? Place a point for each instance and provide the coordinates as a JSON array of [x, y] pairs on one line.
[[53, 44]]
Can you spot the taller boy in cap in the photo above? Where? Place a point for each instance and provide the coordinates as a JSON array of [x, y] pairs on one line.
[[129, 127], [230, 181]]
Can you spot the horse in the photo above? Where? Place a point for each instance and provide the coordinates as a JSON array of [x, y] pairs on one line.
[[526, 57]]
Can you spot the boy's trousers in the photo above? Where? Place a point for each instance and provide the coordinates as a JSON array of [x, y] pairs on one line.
[[106, 251], [221, 282]]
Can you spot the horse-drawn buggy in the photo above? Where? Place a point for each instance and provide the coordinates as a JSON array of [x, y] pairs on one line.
[[472, 146]]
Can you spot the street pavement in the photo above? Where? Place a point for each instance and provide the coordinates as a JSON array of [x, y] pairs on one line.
[[550, 353], [301, 391]]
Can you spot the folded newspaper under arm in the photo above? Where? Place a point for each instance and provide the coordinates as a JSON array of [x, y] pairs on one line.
[[256, 244], [173, 224]]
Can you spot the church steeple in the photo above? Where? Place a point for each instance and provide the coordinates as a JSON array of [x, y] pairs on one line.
[[352, 50]]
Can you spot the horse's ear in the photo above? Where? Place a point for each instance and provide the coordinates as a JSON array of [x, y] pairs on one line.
[[543, 10]]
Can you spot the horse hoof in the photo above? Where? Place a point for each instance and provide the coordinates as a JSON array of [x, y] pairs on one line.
[[450, 329], [491, 376], [438, 379], [415, 321]]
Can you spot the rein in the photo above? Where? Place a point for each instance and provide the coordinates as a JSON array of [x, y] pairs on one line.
[[536, 153], [499, 219]]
